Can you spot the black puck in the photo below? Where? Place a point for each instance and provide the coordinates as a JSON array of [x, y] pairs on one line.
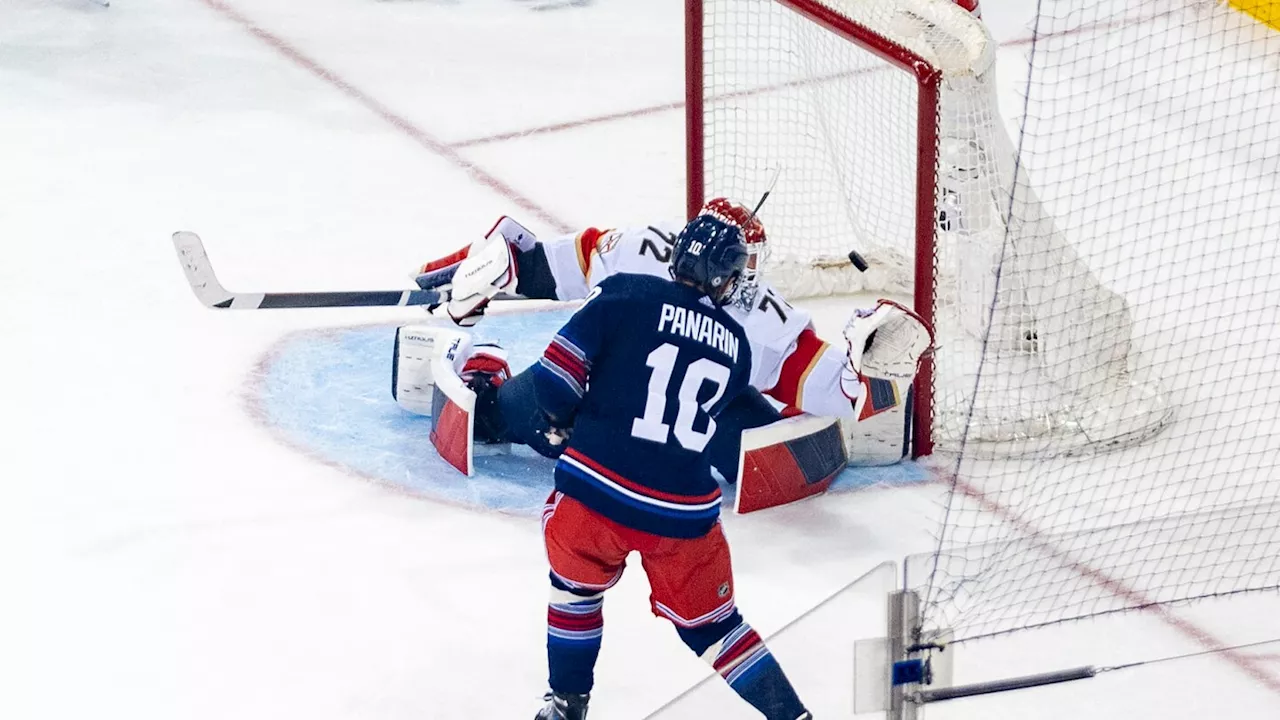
[[857, 261]]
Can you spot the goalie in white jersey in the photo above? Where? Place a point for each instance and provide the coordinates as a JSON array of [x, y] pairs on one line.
[[791, 363]]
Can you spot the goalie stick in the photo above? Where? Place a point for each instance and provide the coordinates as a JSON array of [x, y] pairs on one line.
[[199, 272]]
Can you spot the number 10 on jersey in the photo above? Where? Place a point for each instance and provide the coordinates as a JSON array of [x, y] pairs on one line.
[[650, 426]]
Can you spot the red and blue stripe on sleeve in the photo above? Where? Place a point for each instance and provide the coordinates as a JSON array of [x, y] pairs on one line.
[[561, 377], [567, 362]]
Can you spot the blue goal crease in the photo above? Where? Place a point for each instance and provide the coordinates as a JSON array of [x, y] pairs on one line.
[[329, 391]]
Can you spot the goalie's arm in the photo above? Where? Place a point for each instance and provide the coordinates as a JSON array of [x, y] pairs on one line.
[[563, 268], [867, 376], [509, 263], [816, 378]]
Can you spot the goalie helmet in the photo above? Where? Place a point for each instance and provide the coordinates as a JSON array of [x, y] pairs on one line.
[[710, 255], [752, 234]]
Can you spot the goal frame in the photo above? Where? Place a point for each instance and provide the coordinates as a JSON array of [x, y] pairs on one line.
[[928, 80]]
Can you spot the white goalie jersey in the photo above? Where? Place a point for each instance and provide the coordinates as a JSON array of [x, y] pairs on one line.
[[789, 361]]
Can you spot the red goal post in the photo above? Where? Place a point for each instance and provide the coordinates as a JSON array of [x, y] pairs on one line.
[[883, 117], [927, 78]]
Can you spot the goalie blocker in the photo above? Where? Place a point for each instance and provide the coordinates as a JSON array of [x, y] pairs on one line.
[[778, 462]]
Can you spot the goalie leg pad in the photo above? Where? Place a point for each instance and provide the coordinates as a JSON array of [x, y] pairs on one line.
[[789, 460], [427, 378], [453, 403], [749, 410], [878, 395], [412, 364], [882, 435], [452, 432]]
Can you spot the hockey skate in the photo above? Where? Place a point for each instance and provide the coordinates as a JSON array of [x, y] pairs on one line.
[[563, 706]]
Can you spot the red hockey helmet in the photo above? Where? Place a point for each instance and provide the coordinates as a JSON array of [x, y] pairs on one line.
[[753, 233]]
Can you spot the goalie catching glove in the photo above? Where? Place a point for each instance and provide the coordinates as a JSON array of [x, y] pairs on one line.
[[887, 341]]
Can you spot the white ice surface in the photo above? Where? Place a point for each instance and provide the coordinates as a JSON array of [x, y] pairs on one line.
[[165, 557]]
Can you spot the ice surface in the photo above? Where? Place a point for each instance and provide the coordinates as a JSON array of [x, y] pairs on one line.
[[327, 393], [165, 556]]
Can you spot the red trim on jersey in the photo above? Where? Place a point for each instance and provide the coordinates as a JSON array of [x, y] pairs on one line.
[[587, 241], [638, 488], [789, 389]]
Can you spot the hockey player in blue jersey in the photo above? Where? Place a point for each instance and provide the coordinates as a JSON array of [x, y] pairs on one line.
[[632, 385]]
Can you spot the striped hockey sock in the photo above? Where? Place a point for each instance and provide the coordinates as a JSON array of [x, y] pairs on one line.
[[574, 628], [746, 664]]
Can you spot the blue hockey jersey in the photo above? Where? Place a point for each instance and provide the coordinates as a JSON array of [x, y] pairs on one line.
[[641, 371]]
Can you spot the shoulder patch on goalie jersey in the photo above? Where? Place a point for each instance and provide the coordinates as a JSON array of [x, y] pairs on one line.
[[589, 242]]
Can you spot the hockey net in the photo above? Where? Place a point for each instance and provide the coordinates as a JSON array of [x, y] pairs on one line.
[[1103, 280], [882, 116]]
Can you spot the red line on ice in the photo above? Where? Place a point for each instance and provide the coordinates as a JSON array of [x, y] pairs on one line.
[[679, 104], [655, 109], [418, 135], [1249, 664]]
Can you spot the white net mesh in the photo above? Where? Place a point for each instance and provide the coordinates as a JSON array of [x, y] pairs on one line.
[[781, 90], [1107, 279], [1155, 131]]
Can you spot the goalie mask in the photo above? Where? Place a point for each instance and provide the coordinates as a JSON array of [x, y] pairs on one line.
[[752, 231]]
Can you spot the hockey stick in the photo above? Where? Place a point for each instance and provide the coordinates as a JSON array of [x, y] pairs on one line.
[[195, 263], [854, 256], [773, 180]]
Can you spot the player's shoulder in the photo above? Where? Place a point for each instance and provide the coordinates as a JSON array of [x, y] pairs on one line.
[[658, 227], [651, 290], [633, 286], [665, 228], [660, 233]]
